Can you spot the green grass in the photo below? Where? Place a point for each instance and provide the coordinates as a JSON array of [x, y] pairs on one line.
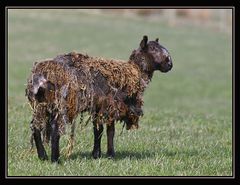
[[187, 126]]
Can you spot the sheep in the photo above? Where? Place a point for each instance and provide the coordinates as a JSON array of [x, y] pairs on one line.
[[111, 90]]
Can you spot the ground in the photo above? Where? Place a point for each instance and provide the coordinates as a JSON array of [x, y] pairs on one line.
[[186, 129]]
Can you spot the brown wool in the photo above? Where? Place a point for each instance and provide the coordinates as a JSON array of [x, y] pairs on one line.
[[73, 81]]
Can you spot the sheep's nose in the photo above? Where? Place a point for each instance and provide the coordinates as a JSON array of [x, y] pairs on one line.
[[170, 64]]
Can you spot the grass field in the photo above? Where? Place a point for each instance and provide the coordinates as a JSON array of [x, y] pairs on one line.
[[187, 126]]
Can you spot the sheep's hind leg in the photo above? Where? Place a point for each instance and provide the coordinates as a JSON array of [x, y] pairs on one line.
[[55, 140], [110, 144], [47, 134], [38, 141], [98, 130]]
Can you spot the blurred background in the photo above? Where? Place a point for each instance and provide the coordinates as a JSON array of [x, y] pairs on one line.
[[191, 105], [216, 19], [199, 41]]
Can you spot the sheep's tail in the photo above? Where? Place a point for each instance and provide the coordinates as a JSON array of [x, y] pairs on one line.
[[36, 88]]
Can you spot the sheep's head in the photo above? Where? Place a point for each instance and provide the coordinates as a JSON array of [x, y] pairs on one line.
[[152, 56]]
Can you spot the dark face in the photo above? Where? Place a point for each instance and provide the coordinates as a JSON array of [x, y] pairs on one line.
[[161, 57], [157, 54]]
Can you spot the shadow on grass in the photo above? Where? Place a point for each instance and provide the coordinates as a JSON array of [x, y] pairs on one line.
[[120, 155], [180, 152], [133, 155]]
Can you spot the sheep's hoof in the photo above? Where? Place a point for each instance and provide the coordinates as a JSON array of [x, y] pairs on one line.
[[96, 154], [55, 158], [110, 155], [55, 161], [43, 156]]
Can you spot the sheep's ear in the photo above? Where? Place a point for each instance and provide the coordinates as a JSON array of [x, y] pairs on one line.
[[157, 39], [143, 43]]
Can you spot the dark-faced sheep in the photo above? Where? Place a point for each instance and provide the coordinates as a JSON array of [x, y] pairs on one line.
[[60, 89]]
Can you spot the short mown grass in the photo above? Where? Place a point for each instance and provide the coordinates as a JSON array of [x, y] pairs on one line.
[[186, 129]]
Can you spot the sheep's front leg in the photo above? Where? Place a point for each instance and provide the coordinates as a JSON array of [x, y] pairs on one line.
[[97, 130], [38, 141], [110, 144], [54, 141]]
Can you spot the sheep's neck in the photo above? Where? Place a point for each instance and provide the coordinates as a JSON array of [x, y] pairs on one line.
[[145, 75], [145, 68]]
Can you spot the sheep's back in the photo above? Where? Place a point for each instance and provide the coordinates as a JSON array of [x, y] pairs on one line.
[[118, 73]]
